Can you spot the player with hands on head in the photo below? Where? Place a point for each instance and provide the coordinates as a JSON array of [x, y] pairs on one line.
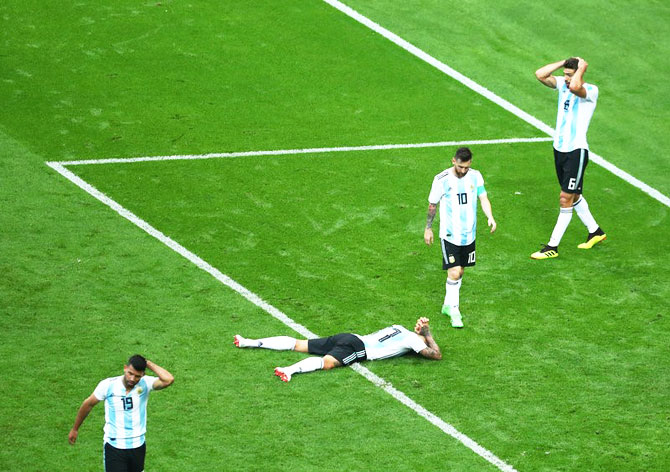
[[125, 400], [576, 104], [346, 348]]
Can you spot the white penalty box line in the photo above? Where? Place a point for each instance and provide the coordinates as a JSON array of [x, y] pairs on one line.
[[284, 152]]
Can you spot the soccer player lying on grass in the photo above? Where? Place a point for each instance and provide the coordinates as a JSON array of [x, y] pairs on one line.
[[346, 348]]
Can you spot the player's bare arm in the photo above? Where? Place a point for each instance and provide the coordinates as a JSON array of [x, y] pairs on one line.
[[433, 350], [428, 232], [544, 73], [577, 82], [83, 412], [486, 208], [165, 378]]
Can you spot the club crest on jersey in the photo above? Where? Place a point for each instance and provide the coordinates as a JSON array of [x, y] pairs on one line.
[[139, 390]]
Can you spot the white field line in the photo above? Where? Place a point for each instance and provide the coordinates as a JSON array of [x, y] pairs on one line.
[[259, 302], [490, 95], [281, 152]]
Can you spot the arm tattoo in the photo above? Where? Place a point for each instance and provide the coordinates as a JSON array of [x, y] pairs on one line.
[[432, 210], [433, 350]]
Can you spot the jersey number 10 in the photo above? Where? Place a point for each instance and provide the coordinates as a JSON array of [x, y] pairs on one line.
[[462, 198]]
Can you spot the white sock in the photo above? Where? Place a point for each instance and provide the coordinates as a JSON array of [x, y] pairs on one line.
[[306, 365], [562, 223], [276, 343], [582, 209], [452, 295]]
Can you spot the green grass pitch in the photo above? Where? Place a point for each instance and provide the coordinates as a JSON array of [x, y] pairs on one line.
[[563, 364]]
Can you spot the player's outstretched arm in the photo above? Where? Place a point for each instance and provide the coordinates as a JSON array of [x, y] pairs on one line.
[[165, 378], [543, 74], [433, 350], [83, 412]]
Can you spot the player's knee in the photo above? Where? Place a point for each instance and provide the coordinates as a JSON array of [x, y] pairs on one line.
[[566, 199], [455, 273], [329, 362], [301, 345]]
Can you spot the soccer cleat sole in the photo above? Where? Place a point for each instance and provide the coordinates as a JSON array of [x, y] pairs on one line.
[[544, 255], [592, 242]]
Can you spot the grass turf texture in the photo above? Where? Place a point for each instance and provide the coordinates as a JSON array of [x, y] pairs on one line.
[[560, 367]]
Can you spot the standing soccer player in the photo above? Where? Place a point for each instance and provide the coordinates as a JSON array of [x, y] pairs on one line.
[[576, 104], [456, 191], [125, 400]]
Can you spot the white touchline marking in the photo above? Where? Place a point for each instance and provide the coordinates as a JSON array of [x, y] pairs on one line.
[[490, 95], [259, 302], [281, 152]]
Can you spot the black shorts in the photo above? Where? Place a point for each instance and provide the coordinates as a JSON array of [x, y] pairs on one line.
[[124, 460], [570, 167], [453, 255], [344, 347]]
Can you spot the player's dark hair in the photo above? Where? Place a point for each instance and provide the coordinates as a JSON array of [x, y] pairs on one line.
[[571, 63], [463, 154], [138, 362]]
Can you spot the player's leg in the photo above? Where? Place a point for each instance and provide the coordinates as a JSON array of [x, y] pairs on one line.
[[564, 217], [454, 270], [276, 343], [114, 459], [136, 458], [451, 304], [318, 347], [596, 234], [301, 345], [455, 260], [338, 350], [569, 169], [302, 367]]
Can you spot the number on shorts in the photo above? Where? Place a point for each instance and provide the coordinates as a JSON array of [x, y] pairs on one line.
[[471, 257], [572, 184]]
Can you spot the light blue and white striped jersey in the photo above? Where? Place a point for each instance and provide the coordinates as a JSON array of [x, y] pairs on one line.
[[573, 117], [458, 204], [125, 415], [393, 341]]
